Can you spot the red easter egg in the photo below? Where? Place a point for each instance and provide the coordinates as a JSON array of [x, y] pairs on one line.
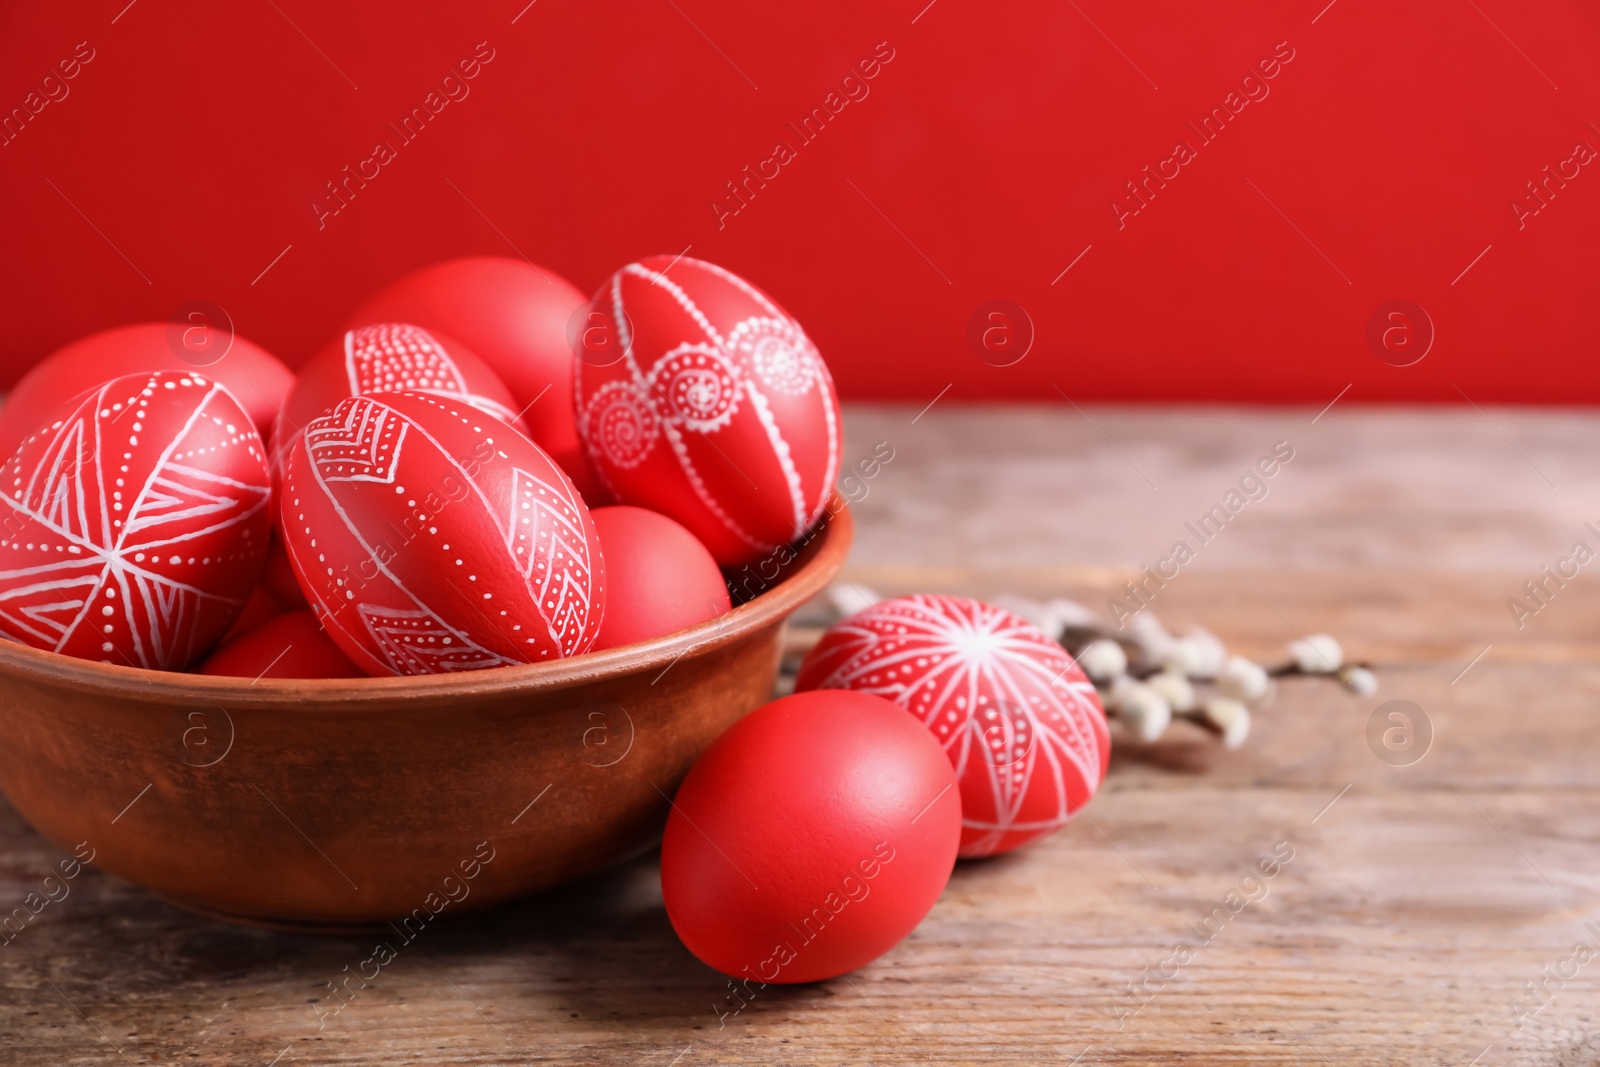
[[278, 579], [515, 316], [659, 579], [256, 379], [133, 523], [429, 537], [392, 357], [259, 606], [288, 646], [810, 838], [1020, 722], [700, 398]]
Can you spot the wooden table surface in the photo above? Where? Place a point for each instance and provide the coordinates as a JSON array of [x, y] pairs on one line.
[[1430, 913]]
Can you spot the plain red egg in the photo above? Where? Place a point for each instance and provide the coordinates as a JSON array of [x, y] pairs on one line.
[[810, 838], [258, 382], [699, 397], [659, 579], [277, 577], [1018, 719], [431, 538], [133, 522], [516, 316], [288, 646], [259, 606]]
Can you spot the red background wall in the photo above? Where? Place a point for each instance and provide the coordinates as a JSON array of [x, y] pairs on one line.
[[985, 159]]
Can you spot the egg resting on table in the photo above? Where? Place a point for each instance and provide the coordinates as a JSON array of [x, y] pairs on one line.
[[1020, 722], [810, 838]]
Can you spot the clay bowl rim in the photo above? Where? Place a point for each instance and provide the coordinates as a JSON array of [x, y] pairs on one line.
[[818, 562]]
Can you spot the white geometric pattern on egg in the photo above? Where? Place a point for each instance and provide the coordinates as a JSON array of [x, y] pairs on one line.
[[396, 357], [543, 604], [1021, 724], [133, 526], [384, 358]]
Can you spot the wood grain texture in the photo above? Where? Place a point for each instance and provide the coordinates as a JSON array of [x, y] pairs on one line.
[[1419, 903]]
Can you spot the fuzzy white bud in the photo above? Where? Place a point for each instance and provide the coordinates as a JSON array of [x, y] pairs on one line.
[[1152, 638], [1230, 717], [1182, 657], [1317, 654], [1143, 710], [1243, 680], [1362, 682], [1102, 660], [1175, 689], [1212, 653], [1196, 654]]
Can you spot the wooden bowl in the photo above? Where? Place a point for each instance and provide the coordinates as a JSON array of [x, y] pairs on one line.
[[340, 804]]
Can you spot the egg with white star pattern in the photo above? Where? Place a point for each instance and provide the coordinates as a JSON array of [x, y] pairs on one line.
[[1020, 722], [133, 523]]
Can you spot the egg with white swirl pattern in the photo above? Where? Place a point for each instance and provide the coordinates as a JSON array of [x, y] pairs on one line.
[[699, 397]]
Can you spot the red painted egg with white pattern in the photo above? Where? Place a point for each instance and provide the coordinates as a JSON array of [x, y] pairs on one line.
[[1020, 722], [699, 397], [133, 523], [516, 315], [430, 537], [391, 357]]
